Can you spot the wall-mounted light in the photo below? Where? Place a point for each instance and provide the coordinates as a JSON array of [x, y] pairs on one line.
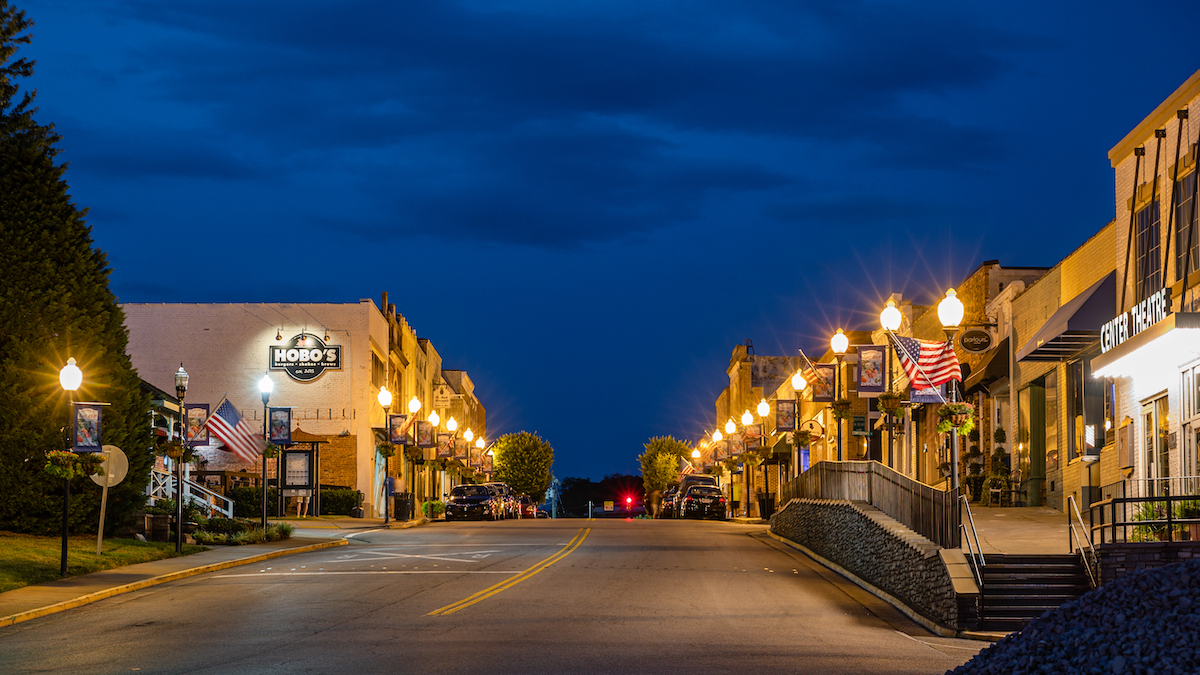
[[279, 334]]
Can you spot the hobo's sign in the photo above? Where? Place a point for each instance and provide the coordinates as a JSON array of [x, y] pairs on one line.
[[306, 357]]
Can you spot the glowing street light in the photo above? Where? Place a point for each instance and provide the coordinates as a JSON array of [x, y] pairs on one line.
[[764, 408], [747, 419], [890, 317], [434, 419], [385, 400], [839, 343], [730, 427], [451, 425], [70, 377], [950, 313], [265, 387], [414, 405], [717, 436], [468, 435]]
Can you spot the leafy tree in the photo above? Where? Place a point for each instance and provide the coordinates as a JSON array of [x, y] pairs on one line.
[[660, 462], [523, 461], [54, 304]]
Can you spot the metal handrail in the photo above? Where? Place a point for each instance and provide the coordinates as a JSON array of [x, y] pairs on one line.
[[976, 566], [1088, 561], [162, 485]]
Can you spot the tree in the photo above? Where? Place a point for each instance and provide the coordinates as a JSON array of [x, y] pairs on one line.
[[54, 304], [660, 462], [523, 461]]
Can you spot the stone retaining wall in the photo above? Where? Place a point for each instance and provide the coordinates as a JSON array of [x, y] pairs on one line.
[[1120, 558], [877, 549]]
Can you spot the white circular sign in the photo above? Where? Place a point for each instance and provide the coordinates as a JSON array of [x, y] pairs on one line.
[[115, 467]]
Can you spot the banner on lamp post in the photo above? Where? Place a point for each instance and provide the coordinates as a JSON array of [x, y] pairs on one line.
[[870, 369], [785, 415], [398, 429], [88, 417], [280, 427], [823, 386], [196, 415], [425, 437], [445, 446], [460, 450], [487, 463], [721, 450]]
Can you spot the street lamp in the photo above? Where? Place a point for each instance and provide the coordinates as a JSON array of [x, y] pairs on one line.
[[181, 383], [798, 386], [414, 405], [265, 385], [730, 427], [468, 435], [839, 343], [695, 456], [70, 377], [451, 425], [717, 436], [435, 419], [385, 401], [747, 419], [764, 408], [950, 313], [890, 318]]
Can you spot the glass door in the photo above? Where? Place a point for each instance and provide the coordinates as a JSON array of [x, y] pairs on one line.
[[1156, 423]]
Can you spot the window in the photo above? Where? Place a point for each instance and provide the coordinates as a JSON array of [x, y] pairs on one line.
[[378, 372], [1148, 233], [1183, 216], [1085, 410], [1051, 419]]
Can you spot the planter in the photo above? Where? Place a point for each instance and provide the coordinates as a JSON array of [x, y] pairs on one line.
[[158, 527], [958, 420]]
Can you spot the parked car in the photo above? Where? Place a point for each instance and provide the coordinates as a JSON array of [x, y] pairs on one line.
[[542, 514], [666, 507], [703, 501], [472, 502], [527, 507], [508, 500]]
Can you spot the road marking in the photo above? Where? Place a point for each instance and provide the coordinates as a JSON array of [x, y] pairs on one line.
[[313, 574], [513, 581], [448, 557]]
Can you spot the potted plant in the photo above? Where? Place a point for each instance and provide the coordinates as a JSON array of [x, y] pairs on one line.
[[957, 417], [66, 465], [415, 454], [841, 408], [802, 439], [1149, 511], [271, 451], [386, 450], [1190, 510], [889, 402]]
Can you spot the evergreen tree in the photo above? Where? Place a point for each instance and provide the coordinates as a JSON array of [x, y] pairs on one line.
[[54, 304], [523, 461]]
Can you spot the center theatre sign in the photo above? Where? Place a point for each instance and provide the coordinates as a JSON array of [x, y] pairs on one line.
[[305, 357], [1139, 317]]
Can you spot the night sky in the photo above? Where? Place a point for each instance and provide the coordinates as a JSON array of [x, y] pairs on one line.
[[586, 205]]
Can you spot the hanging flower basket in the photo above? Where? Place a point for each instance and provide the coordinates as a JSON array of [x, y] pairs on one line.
[[956, 417], [177, 451], [271, 451], [841, 409], [889, 402], [67, 465], [414, 453], [802, 439], [386, 450]]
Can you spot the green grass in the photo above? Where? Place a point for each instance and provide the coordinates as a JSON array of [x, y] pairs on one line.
[[26, 559]]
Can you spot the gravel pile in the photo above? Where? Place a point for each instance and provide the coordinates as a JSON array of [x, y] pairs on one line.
[[1147, 621]]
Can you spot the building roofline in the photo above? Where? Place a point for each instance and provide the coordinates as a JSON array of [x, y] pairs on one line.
[[1164, 112]]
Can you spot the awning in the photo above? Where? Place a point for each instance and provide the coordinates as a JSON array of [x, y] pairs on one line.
[[1169, 343], [1075, 326], [994, 367]]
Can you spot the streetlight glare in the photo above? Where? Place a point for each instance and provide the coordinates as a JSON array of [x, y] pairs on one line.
[[717, 436], [950, 310], [479, 442], [696, 453], [764, 408], [451, 425], [839, 343], [890, 317], [468, 435], [414, 404], [70, 377], [730, 427], [385, 397], [265, 385], [798, 381], [747, 418], [435, 419]]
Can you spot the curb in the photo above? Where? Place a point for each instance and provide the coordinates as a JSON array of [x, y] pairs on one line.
[[14, 619], [932, 627]]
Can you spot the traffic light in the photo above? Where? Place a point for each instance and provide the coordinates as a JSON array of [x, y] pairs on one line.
[[629, 501]]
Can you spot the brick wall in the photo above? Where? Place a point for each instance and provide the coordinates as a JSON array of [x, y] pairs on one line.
[[1119, 559]]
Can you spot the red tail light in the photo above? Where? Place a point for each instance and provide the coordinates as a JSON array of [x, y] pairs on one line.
[[688, 499], [722, 499]]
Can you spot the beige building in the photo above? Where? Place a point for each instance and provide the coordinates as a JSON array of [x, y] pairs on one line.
[[228, 348]]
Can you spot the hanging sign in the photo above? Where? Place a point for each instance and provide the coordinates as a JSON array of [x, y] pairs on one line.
[[976, 341], [1137, 319], [859, 426], [721, 450], [445, 446], [305, 357], [196, 414], [425, 437], [398, 429], [824, 383], [87, 427], [441, 396], [460, 450]]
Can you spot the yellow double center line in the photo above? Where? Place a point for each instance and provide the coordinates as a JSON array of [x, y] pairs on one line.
[[516, 578]]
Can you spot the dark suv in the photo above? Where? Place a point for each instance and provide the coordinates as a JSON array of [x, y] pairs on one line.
[[702, 501], [472, 502]]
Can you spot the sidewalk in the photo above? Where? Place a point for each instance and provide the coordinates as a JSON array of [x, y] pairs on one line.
[[51, 597], [1020, 530]]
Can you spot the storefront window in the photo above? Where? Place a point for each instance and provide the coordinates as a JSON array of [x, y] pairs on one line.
[[1086, 410], [1183, 214]]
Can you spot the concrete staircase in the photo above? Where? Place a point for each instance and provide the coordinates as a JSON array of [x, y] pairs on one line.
[[1018, 588]]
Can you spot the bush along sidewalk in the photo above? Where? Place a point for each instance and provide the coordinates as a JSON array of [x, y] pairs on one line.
[[237, 531]]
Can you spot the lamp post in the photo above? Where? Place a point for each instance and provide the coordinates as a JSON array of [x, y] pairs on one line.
[[839, 343], [890, 319], [385, 401], [950, 313], [414, 407], [798, 386], [70, 377], [181, 383], [265, 385]]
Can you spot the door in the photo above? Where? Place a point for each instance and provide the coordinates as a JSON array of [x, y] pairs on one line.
[[1156, 424]]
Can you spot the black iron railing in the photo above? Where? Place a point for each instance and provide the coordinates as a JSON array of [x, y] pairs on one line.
[[930, 512], [1145, 518]]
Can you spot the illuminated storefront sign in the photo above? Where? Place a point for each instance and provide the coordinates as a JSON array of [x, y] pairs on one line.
[[1139, 317], [305, 357]]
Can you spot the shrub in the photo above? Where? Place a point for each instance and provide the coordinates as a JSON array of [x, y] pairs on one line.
[[226, 525], [247, 501], [339, 502], [433, 509]]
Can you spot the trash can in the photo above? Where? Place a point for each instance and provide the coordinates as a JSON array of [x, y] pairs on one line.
[[402, 506]]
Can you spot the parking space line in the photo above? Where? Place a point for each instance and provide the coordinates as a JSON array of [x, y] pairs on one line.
[[513, 581]]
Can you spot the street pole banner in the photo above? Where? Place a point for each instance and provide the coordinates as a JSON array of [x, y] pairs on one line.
[[823, 385], [737, 444], [281, 426], [445, 446], [398, 429], [460, 450], [931, 395], [87, 427], [721, 451], [870, 369], [487, 463], [754, 435], [425, 438], [196, 415], [785, 415]]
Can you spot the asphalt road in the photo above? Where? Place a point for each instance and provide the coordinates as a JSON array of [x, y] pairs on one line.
[[529, 596]]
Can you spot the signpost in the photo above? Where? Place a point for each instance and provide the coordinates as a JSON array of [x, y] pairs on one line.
[[112, 472]]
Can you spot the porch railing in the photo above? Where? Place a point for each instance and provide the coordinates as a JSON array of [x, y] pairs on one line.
[[162, 486], [928, 511]]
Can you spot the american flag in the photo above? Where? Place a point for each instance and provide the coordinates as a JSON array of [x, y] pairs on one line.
[[928, 364], [685, 467], [226, 424]]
